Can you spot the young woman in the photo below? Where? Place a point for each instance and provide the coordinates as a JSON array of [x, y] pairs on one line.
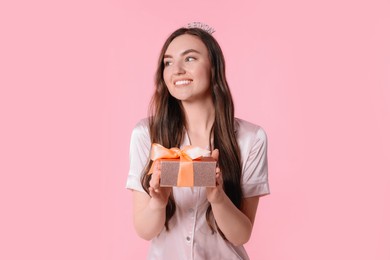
[[192, 105]]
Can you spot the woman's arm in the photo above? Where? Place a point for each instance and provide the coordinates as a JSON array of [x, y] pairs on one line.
[[235, 224], [149, 211]]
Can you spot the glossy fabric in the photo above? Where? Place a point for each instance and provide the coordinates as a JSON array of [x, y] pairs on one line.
[[189, 236]]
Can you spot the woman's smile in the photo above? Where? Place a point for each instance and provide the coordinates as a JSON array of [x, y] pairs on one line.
[[183, 82]]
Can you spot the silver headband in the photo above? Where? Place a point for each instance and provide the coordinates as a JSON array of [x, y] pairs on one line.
[[202, 26]]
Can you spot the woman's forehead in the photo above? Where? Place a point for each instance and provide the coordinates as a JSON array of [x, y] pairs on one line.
[[185, 42]]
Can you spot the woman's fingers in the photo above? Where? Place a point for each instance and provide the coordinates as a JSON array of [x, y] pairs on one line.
[[215, 154], [155, 192], [218, 176], [155, 180], [152, 193]]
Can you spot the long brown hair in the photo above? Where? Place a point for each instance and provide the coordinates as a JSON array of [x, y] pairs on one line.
[[167, 121]]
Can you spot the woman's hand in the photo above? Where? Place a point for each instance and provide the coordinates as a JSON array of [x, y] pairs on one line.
[[216, 194], [159, 195]]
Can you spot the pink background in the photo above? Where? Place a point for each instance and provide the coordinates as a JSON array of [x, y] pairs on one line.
[[77, 75]]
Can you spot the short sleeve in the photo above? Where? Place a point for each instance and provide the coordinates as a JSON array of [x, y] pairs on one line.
[[255, 166], [139, 154]]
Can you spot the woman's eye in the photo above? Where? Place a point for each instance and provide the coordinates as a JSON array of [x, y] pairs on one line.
[[190, 59], [167, 63]]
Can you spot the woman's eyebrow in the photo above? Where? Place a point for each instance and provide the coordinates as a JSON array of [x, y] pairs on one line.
[[183, 53], [188, 51]]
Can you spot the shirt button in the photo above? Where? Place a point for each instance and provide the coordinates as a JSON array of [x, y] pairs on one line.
[[188, 239]]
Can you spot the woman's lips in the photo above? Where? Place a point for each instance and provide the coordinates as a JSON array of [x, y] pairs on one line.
[[182, 82]]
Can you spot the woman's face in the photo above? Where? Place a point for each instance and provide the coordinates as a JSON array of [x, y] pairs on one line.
[[187, 69]]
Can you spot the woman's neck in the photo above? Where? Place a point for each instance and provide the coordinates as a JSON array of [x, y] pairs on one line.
[[200, 118]]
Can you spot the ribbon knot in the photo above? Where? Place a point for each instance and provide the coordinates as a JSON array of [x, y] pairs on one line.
[[185, 175]]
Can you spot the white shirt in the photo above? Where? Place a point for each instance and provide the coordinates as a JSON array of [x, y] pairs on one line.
[[189, 236]]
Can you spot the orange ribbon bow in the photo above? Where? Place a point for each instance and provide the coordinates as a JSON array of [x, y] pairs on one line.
[[185, 177]]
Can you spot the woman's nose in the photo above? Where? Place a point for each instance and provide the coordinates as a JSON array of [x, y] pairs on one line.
[[178, 68]]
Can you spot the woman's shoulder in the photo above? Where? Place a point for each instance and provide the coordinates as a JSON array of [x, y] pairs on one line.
[[243, 127], [142, 125], [141, 128]]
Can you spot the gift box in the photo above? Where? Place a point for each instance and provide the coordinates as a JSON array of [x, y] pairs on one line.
[[187, 167], [203, 174]]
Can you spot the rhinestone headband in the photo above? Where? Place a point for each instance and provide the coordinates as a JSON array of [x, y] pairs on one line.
[[202, 26]]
